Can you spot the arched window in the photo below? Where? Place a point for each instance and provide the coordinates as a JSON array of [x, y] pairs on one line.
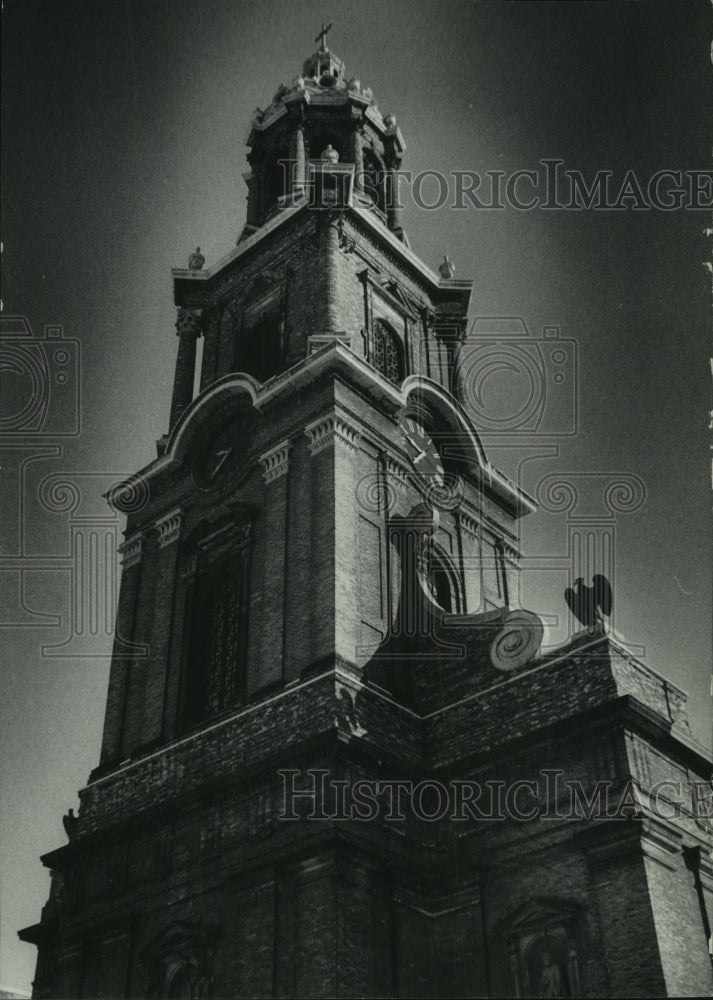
[[387, 355], [224, 642], [217, 621]]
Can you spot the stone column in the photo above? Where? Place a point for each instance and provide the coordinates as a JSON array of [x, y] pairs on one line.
[[356, 154], [393, 212], [252, 180], [428, 360], [329, 252], [188, 330], [297, 155], [449, 336]]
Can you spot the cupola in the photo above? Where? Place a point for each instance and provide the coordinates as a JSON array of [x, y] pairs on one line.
[[322, 110]]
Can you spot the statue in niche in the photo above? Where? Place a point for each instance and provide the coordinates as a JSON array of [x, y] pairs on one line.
[[547, 967], [550, 984]]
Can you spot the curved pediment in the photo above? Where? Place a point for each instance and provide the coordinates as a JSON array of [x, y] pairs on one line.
[[226, 398], [423, 394]]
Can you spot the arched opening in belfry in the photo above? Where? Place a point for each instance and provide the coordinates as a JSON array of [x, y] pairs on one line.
[[259, 346], [275, 178], [374, 180], [319, 141]]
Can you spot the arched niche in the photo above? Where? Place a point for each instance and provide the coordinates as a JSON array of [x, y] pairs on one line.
[[542, 941]]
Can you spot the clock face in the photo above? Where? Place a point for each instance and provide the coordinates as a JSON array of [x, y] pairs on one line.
[[424, 454], [225, 449]]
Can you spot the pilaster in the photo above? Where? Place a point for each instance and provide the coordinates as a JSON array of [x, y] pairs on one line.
[[132, 552], [168, 532], [275, 463]]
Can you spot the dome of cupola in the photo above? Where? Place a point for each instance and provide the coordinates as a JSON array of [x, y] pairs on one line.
[[323, 80], [324, 68], [322, 109]]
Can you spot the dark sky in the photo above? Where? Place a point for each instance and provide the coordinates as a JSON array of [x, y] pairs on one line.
[[123, 148]]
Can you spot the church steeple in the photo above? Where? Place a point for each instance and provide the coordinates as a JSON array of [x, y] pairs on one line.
[[319, 611], [322, 108]]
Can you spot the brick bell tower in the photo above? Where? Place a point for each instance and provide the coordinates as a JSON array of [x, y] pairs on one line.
[[320, 593]]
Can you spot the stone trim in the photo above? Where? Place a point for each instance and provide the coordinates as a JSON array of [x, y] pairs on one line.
[[276, 461], [131, 550], [331, 428], [397, 474], [510, 553], [469, 525], [169, 527]]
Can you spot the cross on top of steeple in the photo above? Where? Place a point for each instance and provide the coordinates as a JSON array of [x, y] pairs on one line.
[[322, 35], [324, 66]]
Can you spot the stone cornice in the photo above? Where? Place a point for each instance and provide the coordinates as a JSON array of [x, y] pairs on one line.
[[510, 553], [205, 276], [131, 550], [330, 428], [168, 527], [276, 461], [397, 473], [458, 290], [469, 524]]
